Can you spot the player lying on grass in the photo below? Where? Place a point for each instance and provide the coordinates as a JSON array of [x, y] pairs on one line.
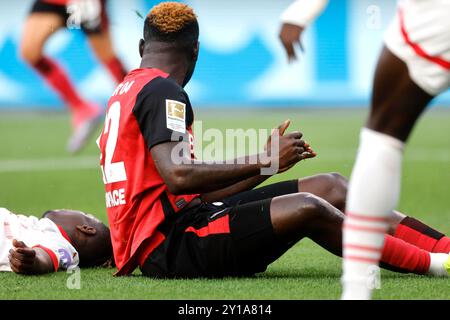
[[62, 239], [193, 219]]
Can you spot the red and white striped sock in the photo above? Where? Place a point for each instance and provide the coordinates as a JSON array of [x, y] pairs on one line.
[[116, 69], [373, 193], [57, 78]]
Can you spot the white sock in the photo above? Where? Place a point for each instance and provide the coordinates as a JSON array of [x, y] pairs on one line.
[[437, 261], [373, 193]]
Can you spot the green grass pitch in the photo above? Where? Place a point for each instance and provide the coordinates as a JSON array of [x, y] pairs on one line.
[[37, 174]]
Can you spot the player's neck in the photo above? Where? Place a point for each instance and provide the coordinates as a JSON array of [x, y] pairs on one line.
[[67, 226], [174, 65]]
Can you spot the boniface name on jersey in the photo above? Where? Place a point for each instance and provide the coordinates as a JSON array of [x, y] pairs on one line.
[[116, 198]]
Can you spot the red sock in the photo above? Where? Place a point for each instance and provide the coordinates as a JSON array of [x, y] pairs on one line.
[[419, 234], [116, 68], [57, 78], [404, 256]]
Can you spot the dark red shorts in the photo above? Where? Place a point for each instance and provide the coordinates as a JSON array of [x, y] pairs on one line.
[[234, 237], [100, 25]]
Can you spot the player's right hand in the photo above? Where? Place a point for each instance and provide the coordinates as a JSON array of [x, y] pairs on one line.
[[291, 147], [290, 35]]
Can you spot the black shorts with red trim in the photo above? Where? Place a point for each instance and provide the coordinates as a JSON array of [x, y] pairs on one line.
[[41, 6], [234, 237]]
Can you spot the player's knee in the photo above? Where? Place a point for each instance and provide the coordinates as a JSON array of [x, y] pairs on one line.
[[102, 49], [338, 192], [30, 54], [309, 207], [312, 213], [335, 189]]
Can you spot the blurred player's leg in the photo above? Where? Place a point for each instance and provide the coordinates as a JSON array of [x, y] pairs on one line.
[[375, 183], [100, 41], [38, 28], [102, 46], [99, 37], [413, 68]]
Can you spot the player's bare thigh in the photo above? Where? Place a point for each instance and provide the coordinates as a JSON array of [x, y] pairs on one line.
[[38, 28], [397, 102], [300, 215], [332, 187], [101, 44]]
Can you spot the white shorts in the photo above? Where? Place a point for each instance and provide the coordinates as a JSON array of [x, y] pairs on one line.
[[420, 36]]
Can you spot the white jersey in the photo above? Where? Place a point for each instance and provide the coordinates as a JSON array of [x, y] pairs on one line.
[[34, 232], [419, 35]]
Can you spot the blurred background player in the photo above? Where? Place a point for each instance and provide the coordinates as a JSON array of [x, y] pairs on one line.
[[295, 19], [413, 68], [47, 17], [62, 239]]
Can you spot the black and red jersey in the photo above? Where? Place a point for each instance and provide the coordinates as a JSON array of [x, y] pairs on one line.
[[146, 109]]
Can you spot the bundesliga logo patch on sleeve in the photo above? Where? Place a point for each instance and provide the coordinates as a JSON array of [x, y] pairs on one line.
[[176, 116]]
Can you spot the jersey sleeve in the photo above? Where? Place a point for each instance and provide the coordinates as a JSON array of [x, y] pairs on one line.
[[163, 112], [62, 253], [303, 12]]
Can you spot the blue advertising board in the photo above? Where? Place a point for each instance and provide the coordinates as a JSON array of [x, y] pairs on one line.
[[241, 60]]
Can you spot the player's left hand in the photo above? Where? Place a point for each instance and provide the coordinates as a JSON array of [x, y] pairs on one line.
[[290, 35], [303, 147], [307, 153]]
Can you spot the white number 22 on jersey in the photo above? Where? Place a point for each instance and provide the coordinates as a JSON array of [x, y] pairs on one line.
[[112, 172]]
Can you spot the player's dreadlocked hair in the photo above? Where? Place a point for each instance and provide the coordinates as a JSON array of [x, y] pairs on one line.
[[172, 22]]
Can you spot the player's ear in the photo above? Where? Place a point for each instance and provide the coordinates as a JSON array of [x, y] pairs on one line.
[[88, 230], [141, 47], [196, 50]]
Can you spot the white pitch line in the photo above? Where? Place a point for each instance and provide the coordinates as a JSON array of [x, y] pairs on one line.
[[92, 162], [49, 164], [328, 154], [415, 154]]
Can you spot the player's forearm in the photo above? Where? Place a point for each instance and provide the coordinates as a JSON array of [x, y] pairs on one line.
[[187, 176], [201, 177], [43, 263], [236, 188], [31, 262], [303, 12]]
